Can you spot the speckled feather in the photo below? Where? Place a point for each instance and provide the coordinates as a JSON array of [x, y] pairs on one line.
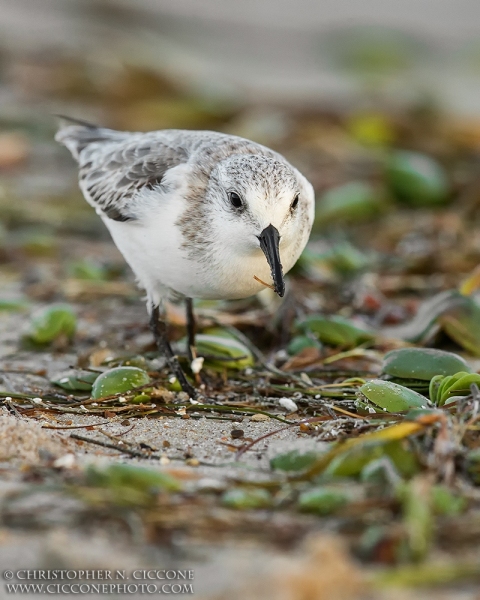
[[114, 165]]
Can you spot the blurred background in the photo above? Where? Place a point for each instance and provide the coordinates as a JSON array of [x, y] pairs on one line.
[[377, 103]]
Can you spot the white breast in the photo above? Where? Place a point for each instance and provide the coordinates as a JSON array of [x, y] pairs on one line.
[[155, 254], [154, 248]]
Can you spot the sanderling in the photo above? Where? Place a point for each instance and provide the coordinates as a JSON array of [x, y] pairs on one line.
[[196, 214]]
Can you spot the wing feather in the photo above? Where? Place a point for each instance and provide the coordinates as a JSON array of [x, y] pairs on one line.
[[114, 166]]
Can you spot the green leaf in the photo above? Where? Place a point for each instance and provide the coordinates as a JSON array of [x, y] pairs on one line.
[[295, 460], [343, 258], [350, 202], [353, 462], [372, 129], [51, 323], [416, 179], [299, 343], [135, 360], [462, 324], [381, 472], [129, 476], [119, 380], [175, 386], [322, 500], [415, 413], [333, 461], [391, 396], [335, 331], [13, 305], [422, 363], [447, 503], [416, 499], [81, 381], [141, 399], [246, 498], [443, 388], [87, 269], [231, 353]]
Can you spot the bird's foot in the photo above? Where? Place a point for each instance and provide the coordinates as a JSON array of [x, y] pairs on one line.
[[159, 330]]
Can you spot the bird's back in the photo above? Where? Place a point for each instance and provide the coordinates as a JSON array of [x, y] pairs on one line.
[[115, 165]]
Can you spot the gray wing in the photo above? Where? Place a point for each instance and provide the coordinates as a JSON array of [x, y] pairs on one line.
[[115, 165]]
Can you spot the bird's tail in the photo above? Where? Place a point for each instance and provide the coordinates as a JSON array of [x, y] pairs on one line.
[[76, 134]]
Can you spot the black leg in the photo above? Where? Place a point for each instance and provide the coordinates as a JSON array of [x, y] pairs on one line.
[[191, 329], [159, 330]]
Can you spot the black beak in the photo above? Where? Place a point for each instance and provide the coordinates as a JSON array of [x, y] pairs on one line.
[[269, 240]]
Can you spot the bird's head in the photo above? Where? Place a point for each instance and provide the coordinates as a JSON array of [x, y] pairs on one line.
[[263, 205]]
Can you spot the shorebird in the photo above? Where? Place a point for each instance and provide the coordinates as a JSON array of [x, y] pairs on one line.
[[196, 214]]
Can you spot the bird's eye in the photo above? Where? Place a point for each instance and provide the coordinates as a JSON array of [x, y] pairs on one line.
[[294, 203], [235, 200]]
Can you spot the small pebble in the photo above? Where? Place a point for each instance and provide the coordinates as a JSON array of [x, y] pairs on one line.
[[288, 404], [67, 461], [259, 417], [197, 364]]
